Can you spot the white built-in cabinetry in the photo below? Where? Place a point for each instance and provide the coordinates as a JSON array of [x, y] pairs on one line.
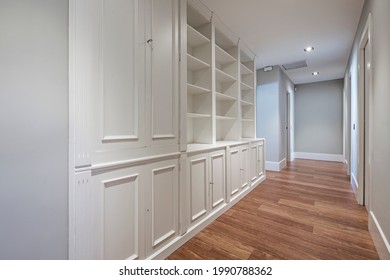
[[162, 126]]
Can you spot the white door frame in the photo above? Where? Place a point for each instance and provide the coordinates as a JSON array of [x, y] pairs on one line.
[[365, 116], [288, 127]]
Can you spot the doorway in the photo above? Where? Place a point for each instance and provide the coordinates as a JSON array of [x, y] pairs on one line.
[[365, 151], [289, 136]]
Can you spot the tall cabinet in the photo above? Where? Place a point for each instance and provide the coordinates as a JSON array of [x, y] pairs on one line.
[[162, 126]]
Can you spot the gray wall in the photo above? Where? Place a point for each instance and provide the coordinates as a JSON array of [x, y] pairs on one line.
[[267, 112], [319, 117], [286, 86], [34, 129], [380, 130], [272, 87]]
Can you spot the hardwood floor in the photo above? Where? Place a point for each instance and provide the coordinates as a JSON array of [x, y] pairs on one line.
[[307, 211]]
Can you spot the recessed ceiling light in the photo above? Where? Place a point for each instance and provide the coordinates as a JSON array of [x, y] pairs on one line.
[[309, 49], [315, 73]]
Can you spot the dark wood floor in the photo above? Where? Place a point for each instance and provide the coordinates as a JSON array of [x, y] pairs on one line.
[[307, 211]]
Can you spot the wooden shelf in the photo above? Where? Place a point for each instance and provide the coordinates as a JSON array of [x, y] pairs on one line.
[[223, 57], [195, 38], [193, 89], [223, 77], [224, 97], [195, 64]]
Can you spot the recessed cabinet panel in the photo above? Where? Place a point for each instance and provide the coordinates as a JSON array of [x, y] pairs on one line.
[[253, 163], [218, 184], [260, 159], [164, 49], [244, 170], [234, 172], [198, 185], [121, 218], [119, 73], [164, 204]]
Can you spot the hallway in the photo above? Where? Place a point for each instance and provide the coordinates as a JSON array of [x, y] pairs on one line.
[[307, 211]]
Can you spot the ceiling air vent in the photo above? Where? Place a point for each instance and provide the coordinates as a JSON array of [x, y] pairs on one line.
[[295, 65]]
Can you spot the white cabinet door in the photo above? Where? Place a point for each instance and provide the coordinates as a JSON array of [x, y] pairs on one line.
[[234, 171], [206, 183], [109, 214], [198, 187], [124, 79], [111, 55], [217, 178], [161, 204], [260, 159], [120, 218], [163, 77], [253, 163], [257, 162], [244, 167]]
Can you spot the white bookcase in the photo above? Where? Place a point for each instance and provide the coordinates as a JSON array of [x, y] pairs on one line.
[[220, 82], [247, 93], [199, 82], [162, 126]]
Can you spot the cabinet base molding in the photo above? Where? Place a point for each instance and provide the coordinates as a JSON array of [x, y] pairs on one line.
[[179, 241]]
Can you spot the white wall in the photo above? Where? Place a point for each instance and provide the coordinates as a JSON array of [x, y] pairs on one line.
[[380, 130], [272, 88], [319, 118], [34, 129]]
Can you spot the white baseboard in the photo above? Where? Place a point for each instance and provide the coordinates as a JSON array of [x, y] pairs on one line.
[[316, 156], [354, 183], [275, 166], [292, 156], [348, 169], [381, 243]]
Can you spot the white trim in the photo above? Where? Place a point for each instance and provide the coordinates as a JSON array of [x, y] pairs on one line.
[[317, 156], [354, 183], [382, 245], [275, 166], [292, 156], [364, 117]]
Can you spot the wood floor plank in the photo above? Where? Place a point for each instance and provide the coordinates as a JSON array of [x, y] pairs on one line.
[[306, 211]]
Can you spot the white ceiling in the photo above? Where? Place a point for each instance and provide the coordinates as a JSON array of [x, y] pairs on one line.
[[277, 31]]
